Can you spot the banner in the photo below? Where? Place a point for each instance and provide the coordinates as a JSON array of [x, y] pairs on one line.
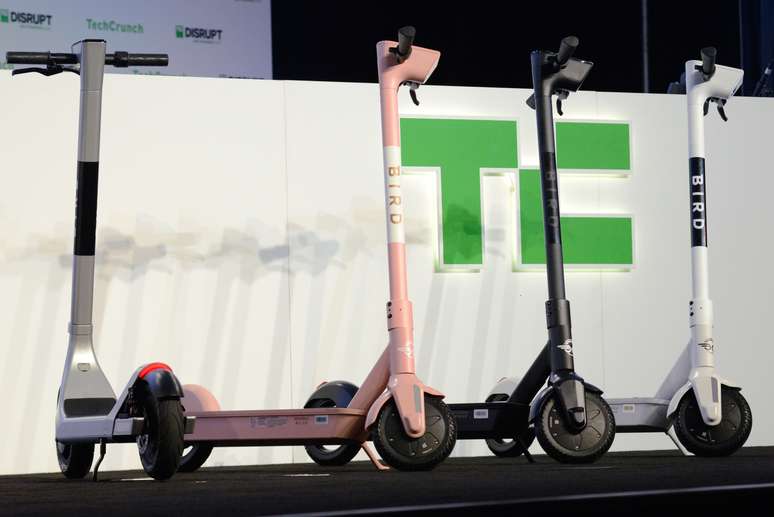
[[229, 38]]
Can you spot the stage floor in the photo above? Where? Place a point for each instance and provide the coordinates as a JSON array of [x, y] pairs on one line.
[[621, 482]]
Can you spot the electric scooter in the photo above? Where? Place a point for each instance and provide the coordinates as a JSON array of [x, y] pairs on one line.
[[571, 420], [701, 412], [408, 422], [148, 410]]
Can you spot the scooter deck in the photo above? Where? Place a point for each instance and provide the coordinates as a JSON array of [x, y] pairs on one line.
[[640, 415], [278, 427], [481, 420]]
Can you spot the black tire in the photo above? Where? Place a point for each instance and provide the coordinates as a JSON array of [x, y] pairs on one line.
[[568, 446], [161, 444], [509, 448], [194, 457], [75, 459], [400, 451], [723, 439], [505, 448], [326, 455]]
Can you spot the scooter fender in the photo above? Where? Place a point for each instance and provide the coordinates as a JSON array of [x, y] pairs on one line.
[[340, 392], [545, 393], [505, 386], [376, 407], [161, 382], [703, 388], [197, 399]]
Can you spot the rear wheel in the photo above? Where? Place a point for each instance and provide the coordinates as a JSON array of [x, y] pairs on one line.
[[570, 446], [194, 456], [423, 453], [719, 440], [330, 455], [510, 448], [161, 444], [75, 459]]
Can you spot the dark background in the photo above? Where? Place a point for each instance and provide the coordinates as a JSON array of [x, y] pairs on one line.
[[487, 42]]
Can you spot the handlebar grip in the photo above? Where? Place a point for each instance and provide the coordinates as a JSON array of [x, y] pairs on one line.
[[40, 58], [567, 49], [148, 59], [405, 40], [708, 55], [124, 59]]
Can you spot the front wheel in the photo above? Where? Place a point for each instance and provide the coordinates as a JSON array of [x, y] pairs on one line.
[[402, 452], [75, 459], [569, 446], [719, 440], [161, 444]]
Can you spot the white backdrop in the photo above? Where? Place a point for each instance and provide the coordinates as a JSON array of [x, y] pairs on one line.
[[241, 239], [233, 37]]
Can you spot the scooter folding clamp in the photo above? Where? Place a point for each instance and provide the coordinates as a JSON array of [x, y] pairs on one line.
[[400, 314], [80, 329]]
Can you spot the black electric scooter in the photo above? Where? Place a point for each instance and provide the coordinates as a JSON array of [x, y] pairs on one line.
[[570, 418]]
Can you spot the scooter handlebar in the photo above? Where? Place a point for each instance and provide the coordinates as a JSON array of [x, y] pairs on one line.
[[708, 55], [40, 58], [405, 40], [117, 59], [566, 49]]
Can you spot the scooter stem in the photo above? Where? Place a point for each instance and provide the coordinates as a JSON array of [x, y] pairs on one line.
[[705, 82], [82, 376], [397, 67], [554, 73]]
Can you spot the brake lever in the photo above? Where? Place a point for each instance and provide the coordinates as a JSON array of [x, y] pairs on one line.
[[721, 110], [48, 71], [720, 103], [560, 96], [413, 87]]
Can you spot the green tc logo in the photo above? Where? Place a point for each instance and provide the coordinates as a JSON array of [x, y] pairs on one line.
[[459, 149], [4, 15], [179, 31]]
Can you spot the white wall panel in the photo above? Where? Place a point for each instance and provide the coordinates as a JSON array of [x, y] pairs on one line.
[[241, 238]]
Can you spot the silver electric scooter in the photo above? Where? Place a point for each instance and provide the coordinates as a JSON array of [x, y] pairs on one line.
[[701, 412], [148, 410]]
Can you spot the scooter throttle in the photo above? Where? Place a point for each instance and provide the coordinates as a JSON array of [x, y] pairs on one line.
[[405, 40], [708, 55], [566, 49]]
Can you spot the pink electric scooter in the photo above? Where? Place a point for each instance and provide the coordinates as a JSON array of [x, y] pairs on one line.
[[408, 422]]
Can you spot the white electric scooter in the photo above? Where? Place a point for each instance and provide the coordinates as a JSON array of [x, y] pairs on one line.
[[701, 412], [148, 409]]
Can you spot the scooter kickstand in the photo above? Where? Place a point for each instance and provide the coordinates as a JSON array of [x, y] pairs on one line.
[[525, 449], [671, 434], [372, 456], [102, 451]]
